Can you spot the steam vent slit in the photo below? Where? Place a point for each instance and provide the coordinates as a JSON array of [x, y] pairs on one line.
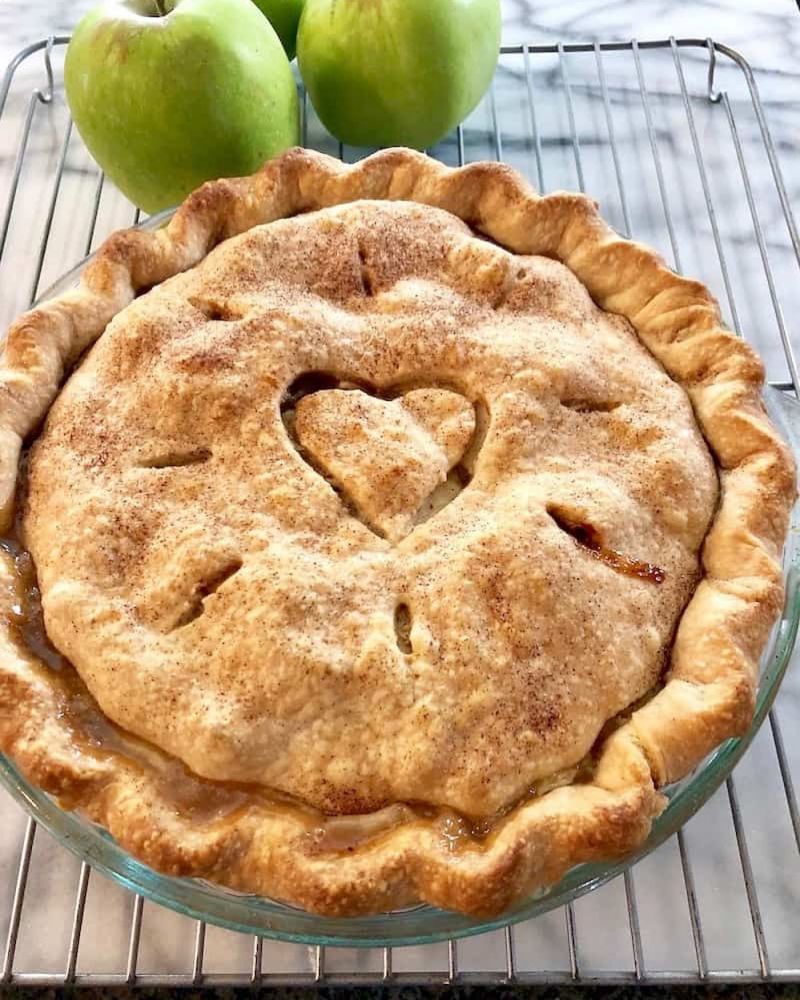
[[591, 405], [587, 537], [402, 627], [176, 459], [367, 282], [217, 310], [205, 588]]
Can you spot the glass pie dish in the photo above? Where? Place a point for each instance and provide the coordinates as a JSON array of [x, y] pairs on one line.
[[263, 916]]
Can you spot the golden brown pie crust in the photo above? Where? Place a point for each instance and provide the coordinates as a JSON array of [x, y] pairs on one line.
[[221, 600], [261, 845]]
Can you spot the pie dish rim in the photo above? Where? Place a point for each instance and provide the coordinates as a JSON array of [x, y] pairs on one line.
[[493, 198]]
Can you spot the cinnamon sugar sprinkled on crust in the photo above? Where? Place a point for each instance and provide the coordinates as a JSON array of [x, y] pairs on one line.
[[409, 303], [291, 677]]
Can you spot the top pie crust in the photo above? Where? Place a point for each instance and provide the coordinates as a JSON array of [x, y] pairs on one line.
[[308, 611]]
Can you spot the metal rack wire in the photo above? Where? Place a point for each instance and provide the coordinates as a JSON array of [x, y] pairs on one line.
[[672, 138]]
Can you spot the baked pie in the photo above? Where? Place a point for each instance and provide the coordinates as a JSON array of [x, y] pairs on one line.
[[396, 534]]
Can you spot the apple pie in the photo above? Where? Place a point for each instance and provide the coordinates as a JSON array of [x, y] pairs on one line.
[[381, 533]]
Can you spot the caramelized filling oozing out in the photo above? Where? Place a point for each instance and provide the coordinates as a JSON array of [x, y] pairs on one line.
[[588, 537]]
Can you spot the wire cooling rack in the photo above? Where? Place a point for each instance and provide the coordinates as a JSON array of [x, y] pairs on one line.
[[672, 139]]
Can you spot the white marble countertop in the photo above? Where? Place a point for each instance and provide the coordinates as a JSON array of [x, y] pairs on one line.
[[768, 34]]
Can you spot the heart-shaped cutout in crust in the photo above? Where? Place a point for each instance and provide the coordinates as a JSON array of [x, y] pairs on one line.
[[395, 461]]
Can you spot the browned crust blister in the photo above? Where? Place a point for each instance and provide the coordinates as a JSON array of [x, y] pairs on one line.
[[709, 689]]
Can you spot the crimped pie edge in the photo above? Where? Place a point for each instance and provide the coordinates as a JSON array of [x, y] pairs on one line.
[[709, 690]]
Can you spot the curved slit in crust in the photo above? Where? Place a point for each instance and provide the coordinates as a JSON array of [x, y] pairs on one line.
[[582, 532], [462, 474], [176, 459], [203, 589], [367, 281], [317, 381], [466, 467], [347, 501], [507, 288], [589, 538], [402, 386], [591, 405], [216, 310], [402, 628], [444, 493]]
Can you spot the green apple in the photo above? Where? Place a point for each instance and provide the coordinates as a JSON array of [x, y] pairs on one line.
[[284, 16], [169, 93], [397, 72]]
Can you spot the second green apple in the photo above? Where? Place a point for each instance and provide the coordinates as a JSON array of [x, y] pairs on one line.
[[397, 72], [284, 16]]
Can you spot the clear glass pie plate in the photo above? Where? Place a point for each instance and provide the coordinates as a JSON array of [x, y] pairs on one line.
[[422, 924]]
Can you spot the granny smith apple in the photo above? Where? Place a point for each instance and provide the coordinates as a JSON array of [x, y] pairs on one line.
[[284, 16], [169, 93], [397, 72]]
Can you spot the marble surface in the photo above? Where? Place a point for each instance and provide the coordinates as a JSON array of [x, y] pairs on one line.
[[628, 191], [767, 31]]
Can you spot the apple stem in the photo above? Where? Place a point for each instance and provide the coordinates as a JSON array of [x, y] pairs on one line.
[[162, 10]]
